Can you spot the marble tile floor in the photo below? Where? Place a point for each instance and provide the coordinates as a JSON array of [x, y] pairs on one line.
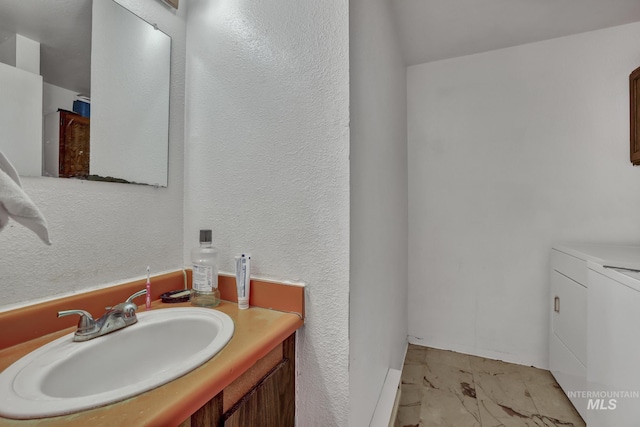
[[445, 388]]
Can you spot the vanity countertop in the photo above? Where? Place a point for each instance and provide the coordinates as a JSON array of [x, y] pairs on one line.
[[257, 332]]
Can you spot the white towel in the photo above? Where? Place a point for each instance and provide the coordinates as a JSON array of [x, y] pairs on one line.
[[16, 204]]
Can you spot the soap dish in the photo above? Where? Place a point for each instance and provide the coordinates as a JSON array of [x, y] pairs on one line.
[[179, 295]]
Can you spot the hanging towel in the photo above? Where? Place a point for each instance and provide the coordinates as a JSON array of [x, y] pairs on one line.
[[16, 204]]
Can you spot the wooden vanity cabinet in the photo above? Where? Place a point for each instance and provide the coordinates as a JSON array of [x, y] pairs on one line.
[[269, 403]]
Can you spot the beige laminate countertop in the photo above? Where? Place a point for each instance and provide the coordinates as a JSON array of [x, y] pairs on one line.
[[257, 332]]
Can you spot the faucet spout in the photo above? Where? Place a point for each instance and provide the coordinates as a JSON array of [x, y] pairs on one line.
[[117, 317], [136, 295]]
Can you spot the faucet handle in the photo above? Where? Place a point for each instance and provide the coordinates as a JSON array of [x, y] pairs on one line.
[[86, 323], [128, 308]]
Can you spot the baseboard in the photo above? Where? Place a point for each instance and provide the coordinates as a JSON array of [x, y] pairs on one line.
[[396, 404], [387, 406]]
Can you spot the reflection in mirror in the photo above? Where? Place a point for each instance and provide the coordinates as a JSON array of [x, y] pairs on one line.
[[130, 65], [60, 49], [44, 63]]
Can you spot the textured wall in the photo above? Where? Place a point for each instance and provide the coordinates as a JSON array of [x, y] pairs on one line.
[[378, 249], [267, 166], [510, 151], [103, 232]]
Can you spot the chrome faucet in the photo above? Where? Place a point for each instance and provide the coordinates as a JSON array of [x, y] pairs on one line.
[[118, 317]]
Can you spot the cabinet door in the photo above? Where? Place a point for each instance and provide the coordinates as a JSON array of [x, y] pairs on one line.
[[568, 335], [271, 403], [267, 405], [569, 318]]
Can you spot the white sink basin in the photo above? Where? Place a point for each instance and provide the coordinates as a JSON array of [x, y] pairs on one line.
[[64, 376]]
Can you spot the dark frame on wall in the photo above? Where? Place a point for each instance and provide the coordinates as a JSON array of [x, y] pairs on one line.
[[634, 102]]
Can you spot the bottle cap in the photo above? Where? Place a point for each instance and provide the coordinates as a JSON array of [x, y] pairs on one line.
[[205, 236]]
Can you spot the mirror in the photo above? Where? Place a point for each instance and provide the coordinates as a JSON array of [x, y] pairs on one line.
[[102, 51], [130, 67]]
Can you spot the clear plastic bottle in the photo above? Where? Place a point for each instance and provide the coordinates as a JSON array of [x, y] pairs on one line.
[[204, 292]]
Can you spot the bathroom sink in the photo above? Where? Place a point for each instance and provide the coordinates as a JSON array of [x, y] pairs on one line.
[[64, 376]]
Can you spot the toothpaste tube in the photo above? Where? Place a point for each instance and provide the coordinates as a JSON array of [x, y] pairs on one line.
[[243, 280]]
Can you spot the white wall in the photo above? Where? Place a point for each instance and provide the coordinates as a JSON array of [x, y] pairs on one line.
[[8, 51], [20, 103], [27, 54], [510, 151], [21, 52], [103, 232], [267, 165], [378, 224], [56, 97]]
